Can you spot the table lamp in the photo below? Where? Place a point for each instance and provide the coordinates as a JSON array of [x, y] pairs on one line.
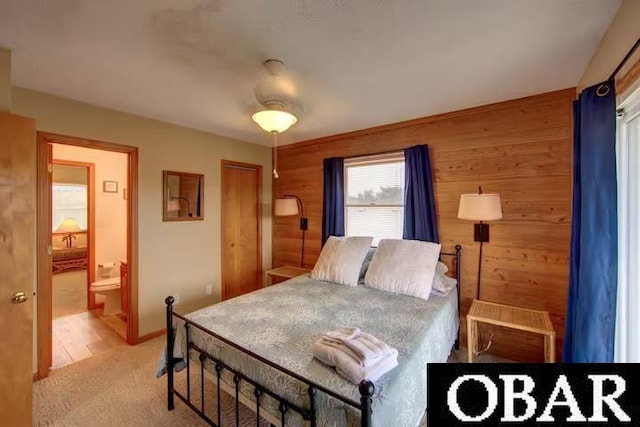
[[69, 226]]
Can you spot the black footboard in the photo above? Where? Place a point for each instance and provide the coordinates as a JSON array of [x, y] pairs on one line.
[[366, 387]]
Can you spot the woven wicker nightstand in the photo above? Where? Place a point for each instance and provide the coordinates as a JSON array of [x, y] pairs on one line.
[[523, 319], [280, 274]]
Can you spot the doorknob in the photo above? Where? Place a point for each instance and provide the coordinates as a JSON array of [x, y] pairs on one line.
[[19, 298]]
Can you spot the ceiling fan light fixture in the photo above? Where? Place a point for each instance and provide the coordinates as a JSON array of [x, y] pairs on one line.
[[274, 120]]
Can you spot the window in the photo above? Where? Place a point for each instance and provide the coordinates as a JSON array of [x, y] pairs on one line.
[[627, 348], [69, 201], [374, 191]]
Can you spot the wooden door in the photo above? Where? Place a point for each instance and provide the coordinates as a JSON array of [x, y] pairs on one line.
[[241, 228], [17, 260]]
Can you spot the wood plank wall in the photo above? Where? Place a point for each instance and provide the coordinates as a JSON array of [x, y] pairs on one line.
[[521, 149]]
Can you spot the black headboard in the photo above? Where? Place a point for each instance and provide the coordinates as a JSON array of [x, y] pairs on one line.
[[457, 254]]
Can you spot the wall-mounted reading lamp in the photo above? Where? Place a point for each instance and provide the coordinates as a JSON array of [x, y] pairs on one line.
[[288, 206], [480, 207]]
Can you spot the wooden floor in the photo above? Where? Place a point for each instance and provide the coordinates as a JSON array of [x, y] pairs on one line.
[[84, 335]]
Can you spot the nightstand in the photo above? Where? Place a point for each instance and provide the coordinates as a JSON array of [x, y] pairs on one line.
[[280, 274], [523, 319]]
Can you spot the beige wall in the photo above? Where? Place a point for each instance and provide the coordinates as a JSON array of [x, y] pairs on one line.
[[175, 257], [111, 208], [621, 35]]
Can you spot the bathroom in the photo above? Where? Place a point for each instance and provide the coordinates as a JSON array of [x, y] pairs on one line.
[[89, 252]]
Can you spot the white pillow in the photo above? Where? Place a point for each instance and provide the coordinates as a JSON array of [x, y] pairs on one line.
[[443, 284], [441, 268], [341, 259], [404, 267]]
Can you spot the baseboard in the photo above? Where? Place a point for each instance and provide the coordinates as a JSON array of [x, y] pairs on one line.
[[36, 377], [151, 336]]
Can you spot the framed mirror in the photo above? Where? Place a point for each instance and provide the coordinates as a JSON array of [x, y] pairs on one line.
[[183, 196]]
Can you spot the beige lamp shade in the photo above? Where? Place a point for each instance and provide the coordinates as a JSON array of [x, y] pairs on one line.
[[69, 225], [480, 207], [173, 205], [286, 207], [274, 120]]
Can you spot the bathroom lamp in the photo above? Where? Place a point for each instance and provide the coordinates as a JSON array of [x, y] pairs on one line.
[[480, 207], [288, 206], [69, 226]]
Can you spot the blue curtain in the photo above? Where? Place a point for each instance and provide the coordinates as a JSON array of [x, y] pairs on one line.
[[593, 277], [333, 198], [420, 222]]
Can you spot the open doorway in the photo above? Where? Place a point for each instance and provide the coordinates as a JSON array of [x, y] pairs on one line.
[[73, 228], [87, 240]]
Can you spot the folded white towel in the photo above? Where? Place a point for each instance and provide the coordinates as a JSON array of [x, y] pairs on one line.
[[348, 367], [345, 333], [340, 346], [367, 348], [357, 373]]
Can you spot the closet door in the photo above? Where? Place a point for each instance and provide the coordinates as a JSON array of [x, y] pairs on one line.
[[17, 259], [241, 228]]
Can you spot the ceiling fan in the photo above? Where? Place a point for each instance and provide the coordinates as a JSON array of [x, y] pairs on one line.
[[278, 97]]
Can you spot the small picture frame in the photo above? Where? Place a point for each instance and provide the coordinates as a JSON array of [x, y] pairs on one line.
[[109, 186]]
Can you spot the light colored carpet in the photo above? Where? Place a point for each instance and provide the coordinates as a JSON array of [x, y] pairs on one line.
[[118, 388], [69, 293]]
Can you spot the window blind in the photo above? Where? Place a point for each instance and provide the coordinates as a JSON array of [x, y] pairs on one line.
[[374, 193]]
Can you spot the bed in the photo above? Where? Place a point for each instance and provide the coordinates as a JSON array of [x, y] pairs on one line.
[[257, 348], [69, 259]]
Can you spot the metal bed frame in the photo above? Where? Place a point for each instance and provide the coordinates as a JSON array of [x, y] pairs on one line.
[[366, 387]]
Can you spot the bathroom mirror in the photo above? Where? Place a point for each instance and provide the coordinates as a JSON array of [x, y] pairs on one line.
[[183, 198]]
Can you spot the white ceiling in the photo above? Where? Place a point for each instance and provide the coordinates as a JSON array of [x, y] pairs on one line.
[[355, 63]]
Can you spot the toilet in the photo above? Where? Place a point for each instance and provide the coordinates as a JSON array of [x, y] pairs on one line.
[[109, 288]]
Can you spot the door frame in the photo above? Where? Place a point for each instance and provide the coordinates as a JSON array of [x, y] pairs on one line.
[[44, 261], [91, 223], [223, 251]]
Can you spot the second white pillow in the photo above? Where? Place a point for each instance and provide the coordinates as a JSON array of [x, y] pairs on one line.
[[341, 259], [404, 267]]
